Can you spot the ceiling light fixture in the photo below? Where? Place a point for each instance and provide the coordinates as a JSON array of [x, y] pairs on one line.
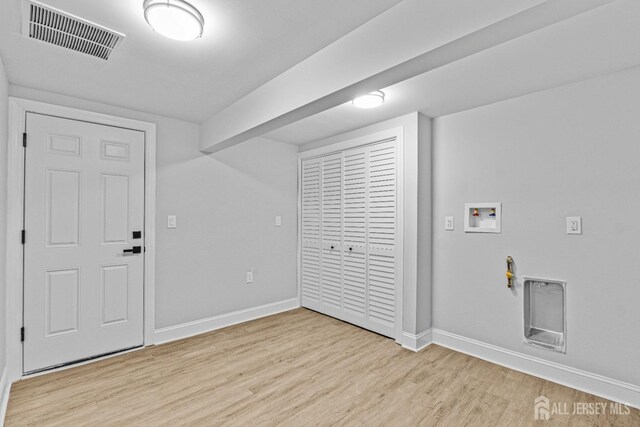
[[370, 100], [175, 19]]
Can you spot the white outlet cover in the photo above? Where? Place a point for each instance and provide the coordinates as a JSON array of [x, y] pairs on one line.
[[574, 225], [249, 276], [171, 221], [448, 223], [278, 220]]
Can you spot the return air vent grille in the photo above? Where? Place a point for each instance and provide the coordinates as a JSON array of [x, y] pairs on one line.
[[53, 26]]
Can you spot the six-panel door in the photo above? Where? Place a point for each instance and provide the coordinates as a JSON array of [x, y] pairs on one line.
[[84, 198]]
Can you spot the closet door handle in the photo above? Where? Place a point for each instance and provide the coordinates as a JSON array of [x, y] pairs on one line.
[[350, 248], [332, 247]]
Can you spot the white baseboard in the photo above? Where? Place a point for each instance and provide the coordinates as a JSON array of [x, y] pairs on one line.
[[5, 388], [608, 388], [189, 329], [417, 342]]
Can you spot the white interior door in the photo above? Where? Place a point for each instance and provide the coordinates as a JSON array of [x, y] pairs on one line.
[[84, 214], [310, 228], [382, 292], [355, 235], [331, 272], [350, 236]]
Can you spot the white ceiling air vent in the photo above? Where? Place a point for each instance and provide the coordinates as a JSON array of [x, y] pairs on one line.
[[50, 25]]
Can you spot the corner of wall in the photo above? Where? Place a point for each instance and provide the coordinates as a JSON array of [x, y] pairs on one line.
[[424, 286], [4, 135]]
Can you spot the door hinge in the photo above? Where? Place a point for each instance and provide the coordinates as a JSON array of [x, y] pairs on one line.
[[22, 334], [23, 236], [24, 140]]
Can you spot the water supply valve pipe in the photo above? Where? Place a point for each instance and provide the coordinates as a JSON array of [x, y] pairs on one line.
[[510, 274]]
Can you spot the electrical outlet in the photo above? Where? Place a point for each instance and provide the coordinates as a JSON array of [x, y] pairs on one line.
[[278, 221], [574, 225], [171, 221], [249, 276], [448, 223]]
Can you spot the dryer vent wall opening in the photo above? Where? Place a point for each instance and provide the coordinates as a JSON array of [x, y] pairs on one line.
[[50, 25]]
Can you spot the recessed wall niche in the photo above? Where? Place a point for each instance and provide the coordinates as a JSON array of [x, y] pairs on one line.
[[544, 311], [482, 217]]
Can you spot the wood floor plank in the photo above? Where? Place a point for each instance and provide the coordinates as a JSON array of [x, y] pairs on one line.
[[292, 369]]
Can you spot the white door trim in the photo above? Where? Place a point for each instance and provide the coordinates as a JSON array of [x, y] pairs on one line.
[[396, 131], [370, 139], [15, 191]]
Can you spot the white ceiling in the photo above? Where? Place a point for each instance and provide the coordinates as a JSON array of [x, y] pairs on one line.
[[245, 44], [598, 42]]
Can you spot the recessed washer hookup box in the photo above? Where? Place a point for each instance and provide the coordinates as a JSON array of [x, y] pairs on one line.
[[545, 313]]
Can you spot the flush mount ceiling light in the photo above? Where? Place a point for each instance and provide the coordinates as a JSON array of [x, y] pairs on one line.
[[175, 19], [370, 100]]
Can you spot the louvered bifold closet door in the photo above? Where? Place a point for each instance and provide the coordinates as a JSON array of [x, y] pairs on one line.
[[350, 236], [381, 238], [354, 270], [331, 231], [310, 258]]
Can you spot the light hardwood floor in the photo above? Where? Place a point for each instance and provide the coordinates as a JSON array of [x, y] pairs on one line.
[[297, 368]]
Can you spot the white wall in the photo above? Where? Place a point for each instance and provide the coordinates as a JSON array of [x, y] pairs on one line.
[[225, 206], [571, 151], [417, 213], [4, 134]]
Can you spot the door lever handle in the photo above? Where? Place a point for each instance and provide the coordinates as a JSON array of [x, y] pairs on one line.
[[133, 250]]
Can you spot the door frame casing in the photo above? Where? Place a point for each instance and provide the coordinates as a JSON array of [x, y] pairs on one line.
[[18, 108]]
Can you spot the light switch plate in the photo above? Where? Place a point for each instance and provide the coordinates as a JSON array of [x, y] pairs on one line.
[[574, 225], [278, 220], [249, 276], [448, 223], [171, 221]]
